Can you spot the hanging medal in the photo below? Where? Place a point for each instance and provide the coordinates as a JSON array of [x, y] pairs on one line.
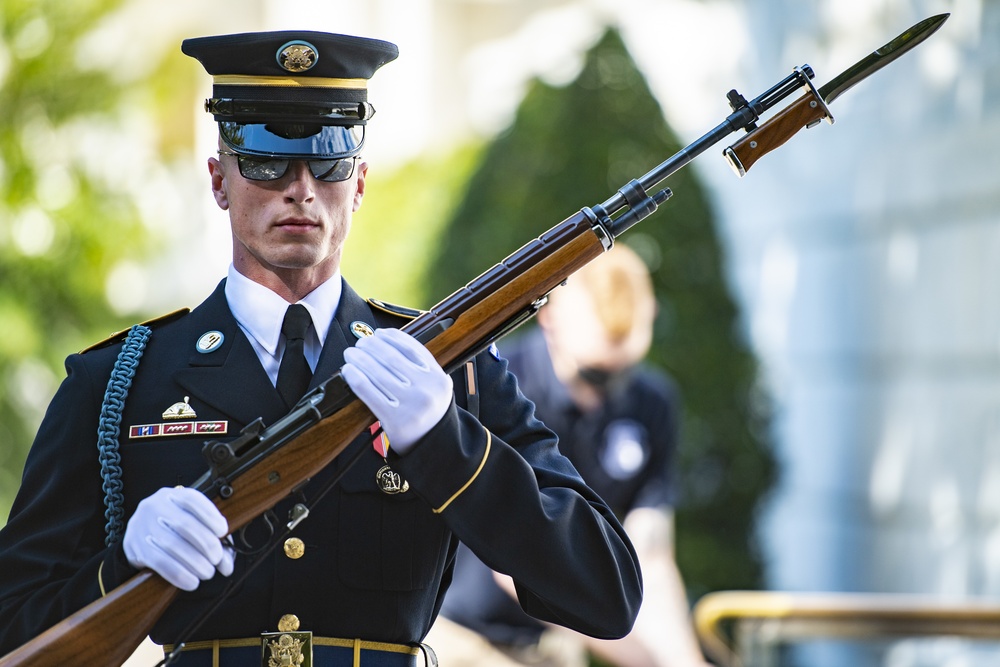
[[389, 481]]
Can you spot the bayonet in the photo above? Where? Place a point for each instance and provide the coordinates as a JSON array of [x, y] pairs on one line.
[[812, 107]]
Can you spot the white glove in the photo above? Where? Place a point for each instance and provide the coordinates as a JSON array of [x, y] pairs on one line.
[[176, 532], [401, 382]]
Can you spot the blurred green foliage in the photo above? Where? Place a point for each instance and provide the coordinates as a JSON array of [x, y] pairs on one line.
[[401, 220], [573, 146], [65, 217]]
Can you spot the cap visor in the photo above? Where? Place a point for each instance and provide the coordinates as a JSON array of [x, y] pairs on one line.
[[293, 140]]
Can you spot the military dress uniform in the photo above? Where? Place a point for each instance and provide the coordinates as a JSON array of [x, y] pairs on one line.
[[366, 564], [367, 570], [624, 450]]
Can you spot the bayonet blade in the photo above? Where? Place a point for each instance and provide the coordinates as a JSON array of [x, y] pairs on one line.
[[812, 107], [880, 57]]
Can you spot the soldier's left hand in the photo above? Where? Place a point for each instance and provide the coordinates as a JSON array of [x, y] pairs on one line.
[[401, 382]]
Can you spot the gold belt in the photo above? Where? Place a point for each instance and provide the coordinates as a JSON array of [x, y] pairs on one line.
[[295, 649]]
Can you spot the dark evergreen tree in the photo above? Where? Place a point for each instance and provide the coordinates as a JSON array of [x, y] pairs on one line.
[[573, 146]]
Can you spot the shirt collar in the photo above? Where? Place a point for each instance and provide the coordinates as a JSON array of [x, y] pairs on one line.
[[261, 311]]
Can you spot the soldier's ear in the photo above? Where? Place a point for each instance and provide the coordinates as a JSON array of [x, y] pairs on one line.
[[360, 174], [220, 186]]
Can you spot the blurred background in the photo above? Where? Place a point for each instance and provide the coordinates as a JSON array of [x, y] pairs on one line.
[[831, 318]]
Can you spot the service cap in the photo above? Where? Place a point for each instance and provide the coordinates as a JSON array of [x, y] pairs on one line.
[[291, 93]]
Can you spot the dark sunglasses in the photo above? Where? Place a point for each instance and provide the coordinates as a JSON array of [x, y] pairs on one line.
[[256, 168]]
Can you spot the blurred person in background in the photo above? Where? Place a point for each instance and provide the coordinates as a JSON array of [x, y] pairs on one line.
[[617, 421]]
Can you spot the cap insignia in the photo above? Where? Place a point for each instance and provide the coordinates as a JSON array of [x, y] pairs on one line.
[[297, 56]]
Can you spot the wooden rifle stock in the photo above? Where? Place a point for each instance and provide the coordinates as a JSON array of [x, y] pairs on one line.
[[105, 632], [108, 630]]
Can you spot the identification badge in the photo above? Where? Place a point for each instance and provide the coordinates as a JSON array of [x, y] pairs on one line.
[[391, 482]]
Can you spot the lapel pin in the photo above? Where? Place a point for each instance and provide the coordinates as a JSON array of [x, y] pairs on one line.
[[361, 329], [210, 341]]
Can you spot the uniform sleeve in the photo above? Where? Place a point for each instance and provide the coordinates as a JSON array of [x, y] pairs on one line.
[[52, 547], [504, 489]]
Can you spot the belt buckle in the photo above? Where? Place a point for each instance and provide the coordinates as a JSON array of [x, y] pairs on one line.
[[286, 649]]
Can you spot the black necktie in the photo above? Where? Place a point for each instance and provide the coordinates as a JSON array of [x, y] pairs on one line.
[[294, 373]]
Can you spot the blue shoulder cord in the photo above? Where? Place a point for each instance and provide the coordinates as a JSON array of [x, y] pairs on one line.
[[108, 428]]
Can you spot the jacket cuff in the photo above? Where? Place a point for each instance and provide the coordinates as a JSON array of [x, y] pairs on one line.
[[446, 462]]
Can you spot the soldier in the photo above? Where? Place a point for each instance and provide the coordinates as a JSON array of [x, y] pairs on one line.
[[362, 579]]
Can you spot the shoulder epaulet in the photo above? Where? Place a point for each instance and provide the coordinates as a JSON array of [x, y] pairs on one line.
[[393, 309], [119, 336]]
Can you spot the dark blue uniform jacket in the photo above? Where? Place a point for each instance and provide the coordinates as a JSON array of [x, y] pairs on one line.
[[375, 566]]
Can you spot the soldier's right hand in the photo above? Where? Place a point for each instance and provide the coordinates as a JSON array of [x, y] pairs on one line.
[[177, 533]]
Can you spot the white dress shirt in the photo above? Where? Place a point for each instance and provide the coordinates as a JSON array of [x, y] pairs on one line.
[[259, 312]]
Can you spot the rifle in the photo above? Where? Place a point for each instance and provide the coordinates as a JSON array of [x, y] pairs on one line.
[[247, 476]]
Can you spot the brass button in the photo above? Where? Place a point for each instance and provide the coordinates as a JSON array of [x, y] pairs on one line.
[[288, 623], [294, 548]]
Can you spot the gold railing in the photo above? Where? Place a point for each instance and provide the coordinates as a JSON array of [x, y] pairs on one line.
[[734, 624]]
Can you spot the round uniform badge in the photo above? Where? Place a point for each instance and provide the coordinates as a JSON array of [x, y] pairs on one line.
[[210, 341], [297, 56], [391, 482], [361, 329], [625, 449]]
